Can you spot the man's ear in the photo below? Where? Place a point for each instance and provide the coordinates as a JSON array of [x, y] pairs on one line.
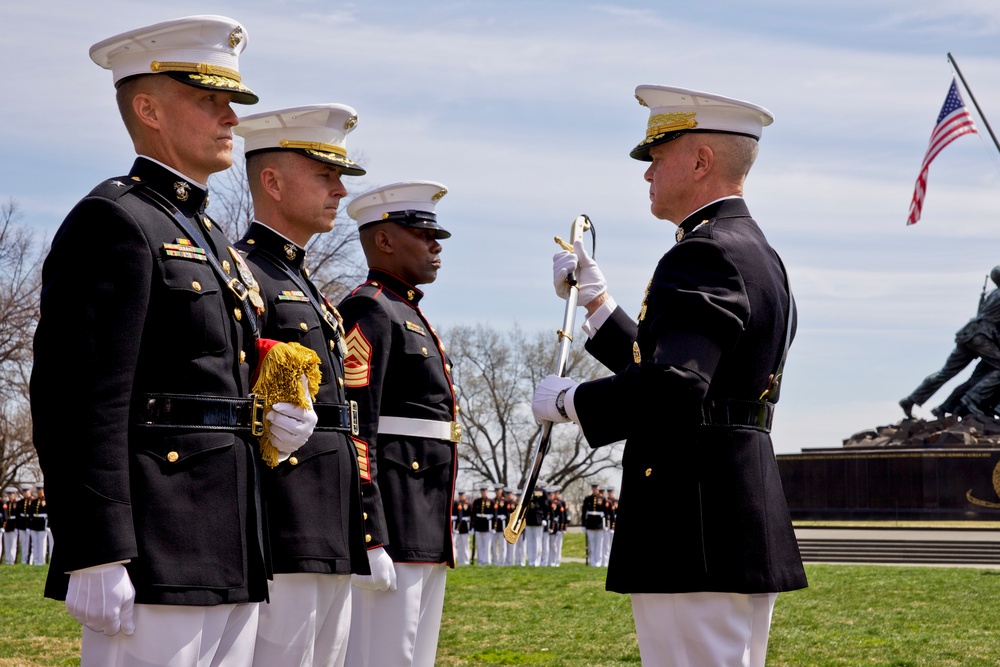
[[383, 241], [271, 183], [704, 161], [147, 110]]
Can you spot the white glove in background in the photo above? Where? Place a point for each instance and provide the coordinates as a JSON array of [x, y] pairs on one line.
[[590, 279], [383, 576], [291, 426], [102, 598], [543, 404]]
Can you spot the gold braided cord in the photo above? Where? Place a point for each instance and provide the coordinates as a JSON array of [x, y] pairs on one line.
[[671, 122], [200, 68], [313, 146]]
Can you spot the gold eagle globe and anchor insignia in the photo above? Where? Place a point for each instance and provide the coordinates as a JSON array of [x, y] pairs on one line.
[[996, 488], [182, 190]]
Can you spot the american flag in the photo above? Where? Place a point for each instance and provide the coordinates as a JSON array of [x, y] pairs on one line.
[[953, 121]]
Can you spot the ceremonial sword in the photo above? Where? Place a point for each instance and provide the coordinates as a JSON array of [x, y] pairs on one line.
[[565, 334]]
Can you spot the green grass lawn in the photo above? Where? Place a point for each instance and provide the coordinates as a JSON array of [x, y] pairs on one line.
[[850, 615]]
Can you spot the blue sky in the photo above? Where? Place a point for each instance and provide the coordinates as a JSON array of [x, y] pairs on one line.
[[525, 110]]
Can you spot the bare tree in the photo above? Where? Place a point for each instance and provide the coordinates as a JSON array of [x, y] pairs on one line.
[[495, 374], [20, 282]]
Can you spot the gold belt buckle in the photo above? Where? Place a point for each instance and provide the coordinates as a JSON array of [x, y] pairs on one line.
[[257, 415], [354, 418], [456, 432]]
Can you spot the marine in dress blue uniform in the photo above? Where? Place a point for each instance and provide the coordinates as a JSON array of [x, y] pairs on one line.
[[693, 393], [400, 376], [312, 498], [151, 469], [483, 509], [594, 515], [461, 526]]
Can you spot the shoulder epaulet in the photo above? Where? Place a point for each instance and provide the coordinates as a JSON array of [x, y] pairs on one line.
[[372, 288], [244, 248], [113, 188]]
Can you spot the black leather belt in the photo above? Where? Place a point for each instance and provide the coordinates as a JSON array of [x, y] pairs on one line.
[[738, 413], [220, 413]]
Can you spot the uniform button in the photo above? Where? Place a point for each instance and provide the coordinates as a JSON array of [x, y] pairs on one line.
[[196, 285], [649, 471], [225, 265], [243, 357], [447, 368], [415, 465], [303, 326], [366, 516], [368, 538], [251, 241], [333, 346], [238, 313], [173, 456], [424, 350], [340, 381], [208, 223], [294, 461]]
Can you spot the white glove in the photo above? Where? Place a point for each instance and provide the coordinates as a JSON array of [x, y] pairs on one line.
[[543, 405], [291, 425], [101, 597], [383, 576], [589, 278]]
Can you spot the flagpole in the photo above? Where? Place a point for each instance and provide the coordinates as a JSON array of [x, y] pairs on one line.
[[974, 102]]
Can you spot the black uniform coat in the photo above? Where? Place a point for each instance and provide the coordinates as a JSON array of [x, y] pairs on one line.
[[483, 510], [714, 328], [312, 499], [396, 367], [123, 313]]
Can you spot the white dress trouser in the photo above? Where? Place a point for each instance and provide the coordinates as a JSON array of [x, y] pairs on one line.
[[399, 628], [462, 548], [500, 545], [484, 544], [533, 537], [39, 546], [700, 629], [10, 546], [177, 636], [518, 552], [555, 548], [595, 547], [24, 539], [306, 622]]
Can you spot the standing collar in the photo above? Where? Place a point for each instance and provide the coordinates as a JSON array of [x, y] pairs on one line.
[[277, 244], [397, 285], [188, 195], [723, 207]]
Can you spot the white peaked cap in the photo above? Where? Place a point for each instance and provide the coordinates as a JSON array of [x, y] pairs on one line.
[[674, 111], [410, 203], [318, 131], [201, 51]]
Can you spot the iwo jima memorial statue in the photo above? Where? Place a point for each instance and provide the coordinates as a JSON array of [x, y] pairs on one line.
[[947, 467]]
